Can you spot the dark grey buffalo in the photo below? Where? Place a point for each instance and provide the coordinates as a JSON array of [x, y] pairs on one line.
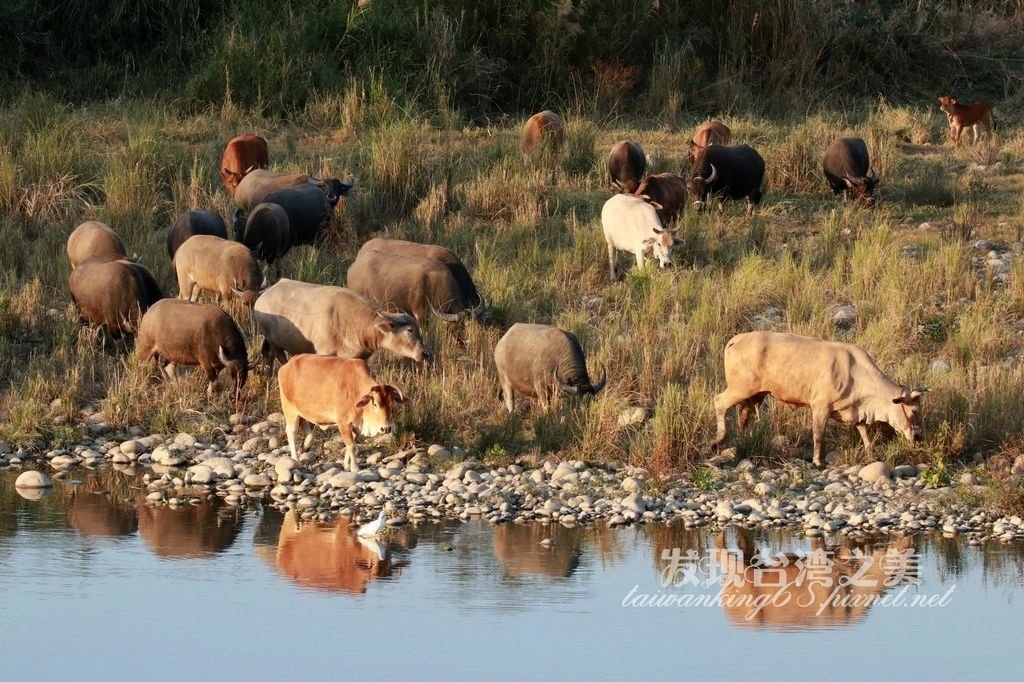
[[421, 286], [626, 165], [847, 165], [308, 211], [260, 183], [535, 359], [200, 221], [723, 173], [174, 332], [266, 231], [401, 247], [112, 294]]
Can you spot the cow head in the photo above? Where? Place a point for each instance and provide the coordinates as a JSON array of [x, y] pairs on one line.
[[373, 410], [905, 413], [661, 243], [945, 104], [238, 369], [231, 179], [700, 186], [587, 388], [336, 189], [249, 282], [863, 188], [400, 334]]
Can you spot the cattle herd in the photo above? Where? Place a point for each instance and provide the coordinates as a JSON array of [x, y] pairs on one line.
[[322, 335]]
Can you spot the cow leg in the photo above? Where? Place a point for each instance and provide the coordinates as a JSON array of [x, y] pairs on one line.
[[348, 435], [169, 370], [818, 420], [211, 376], [196, 293], [509, 396], [869, 443], [724, 402], [639, 259], [746, 406], [611, 262]]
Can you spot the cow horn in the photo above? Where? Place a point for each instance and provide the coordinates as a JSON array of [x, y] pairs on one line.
[[714, 173], [237, 291], [223, 356], [848, 181], [479, 309], [874, 175], [565, 387], [596, 388], [447, 317]]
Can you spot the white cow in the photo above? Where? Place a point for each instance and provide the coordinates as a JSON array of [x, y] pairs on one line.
[[632, 224], [833, 379]]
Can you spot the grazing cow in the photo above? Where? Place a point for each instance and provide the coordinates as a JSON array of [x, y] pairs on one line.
[[208, 263], [399, 247], [93, 239], [961, 116], [712, 132], [113, 294], [833, 379], [200, 221], [266, 232], [421, 286], [243, 154], [626, 165], [258, 185], [535, 359], [545, 129], [297, 317], [668, 191], [632, 224], [727, 173], [308, 211], [846, 167], [328, 391], [174, 332]]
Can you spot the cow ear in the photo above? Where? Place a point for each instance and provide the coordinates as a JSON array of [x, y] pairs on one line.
[[649, 241], [395, 394], [917, 393], [364, 401]]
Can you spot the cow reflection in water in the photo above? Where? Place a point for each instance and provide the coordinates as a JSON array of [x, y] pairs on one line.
[[328, 557], [518, 549], [193, 532], [96, 513], [824, 588]]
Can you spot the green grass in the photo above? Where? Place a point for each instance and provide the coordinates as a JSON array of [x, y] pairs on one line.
[[531, 235]]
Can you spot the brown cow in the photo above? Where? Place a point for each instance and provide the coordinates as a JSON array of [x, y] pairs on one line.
[[626, 165], [112, 294], [545, 128], [666, 190], [93, 239], [834, 379], [174, 332], [243, 154], [712, 132], [208, 263], [967, 115], [326, 390]]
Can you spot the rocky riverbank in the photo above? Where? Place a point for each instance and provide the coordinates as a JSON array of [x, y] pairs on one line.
[[249, 462]]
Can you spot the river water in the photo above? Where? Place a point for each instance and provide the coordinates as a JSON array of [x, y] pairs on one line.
[[95, 584]]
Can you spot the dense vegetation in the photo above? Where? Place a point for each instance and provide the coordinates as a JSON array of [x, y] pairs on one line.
[[491, 56]]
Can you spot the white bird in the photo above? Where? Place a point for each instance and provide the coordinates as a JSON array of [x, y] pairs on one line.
[[373, 528]]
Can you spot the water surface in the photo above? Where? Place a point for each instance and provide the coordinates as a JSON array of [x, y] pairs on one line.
[[93, 583]]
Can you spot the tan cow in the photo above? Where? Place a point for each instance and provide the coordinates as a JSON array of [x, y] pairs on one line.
[[711, 132], [227, 268], [325, 391], [93, 239], [834, 379], [545, 127]]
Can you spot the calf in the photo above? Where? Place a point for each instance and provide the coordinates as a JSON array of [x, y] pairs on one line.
[[632, 224], [667, 191], [207, 263], [712, 132], [174, 332], [967, 115], [200, 221], [626, 165], [242, 155], [833, 379], [327, 391]]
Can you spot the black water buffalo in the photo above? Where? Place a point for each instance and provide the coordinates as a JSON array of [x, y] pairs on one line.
[[200, 221], [266, 231], [626, 165], [846, 166], [308, 209], [727, 173]]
